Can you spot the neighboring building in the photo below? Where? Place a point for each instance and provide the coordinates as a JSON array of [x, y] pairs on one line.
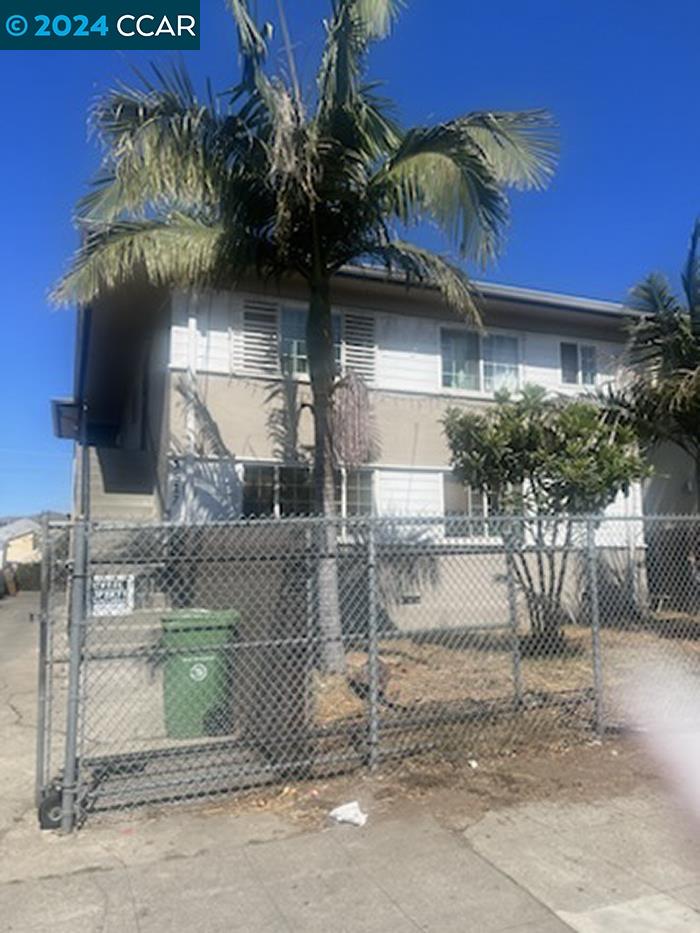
[[183, 419], [19, 542]]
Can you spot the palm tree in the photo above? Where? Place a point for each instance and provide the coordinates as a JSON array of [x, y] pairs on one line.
[[197, 192], [662, 397]]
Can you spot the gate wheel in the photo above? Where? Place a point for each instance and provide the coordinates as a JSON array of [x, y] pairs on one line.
[[50, 811]]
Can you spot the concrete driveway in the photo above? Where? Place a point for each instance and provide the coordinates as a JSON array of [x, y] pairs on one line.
[[613, 863]]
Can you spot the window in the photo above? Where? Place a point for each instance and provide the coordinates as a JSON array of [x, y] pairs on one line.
[[294, 360], [588, 366], [500, 363], [360, 345], [260, 347], [293, 347], [471, 505], [295, 491], [258, 491], [473, 364], [578, 364], [460, 359], [285, 491], [358, 492]]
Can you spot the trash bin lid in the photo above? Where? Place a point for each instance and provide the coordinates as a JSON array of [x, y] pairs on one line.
[[186, 620]]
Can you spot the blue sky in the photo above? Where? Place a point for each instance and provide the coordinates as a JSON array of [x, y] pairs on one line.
[[621, 79]]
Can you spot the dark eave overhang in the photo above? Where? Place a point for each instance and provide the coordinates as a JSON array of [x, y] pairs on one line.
[[65, 412]]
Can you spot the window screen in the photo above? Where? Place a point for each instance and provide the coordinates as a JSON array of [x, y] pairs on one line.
[[500, 363], [460, 359]]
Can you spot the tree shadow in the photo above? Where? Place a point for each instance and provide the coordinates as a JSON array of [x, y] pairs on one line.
[[207, 483]]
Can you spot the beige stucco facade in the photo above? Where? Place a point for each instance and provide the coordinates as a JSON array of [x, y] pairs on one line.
[[407, 427], [24, 549]]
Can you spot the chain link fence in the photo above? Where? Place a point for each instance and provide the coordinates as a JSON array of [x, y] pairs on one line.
[[187, 661]]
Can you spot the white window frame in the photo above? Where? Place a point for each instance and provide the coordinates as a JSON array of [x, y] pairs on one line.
[[579, 344], [276, 466], [481, 392], [278, 307], [486, 539]]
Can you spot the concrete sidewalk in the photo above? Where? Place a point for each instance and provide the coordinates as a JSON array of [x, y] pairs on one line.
[[621, 863]]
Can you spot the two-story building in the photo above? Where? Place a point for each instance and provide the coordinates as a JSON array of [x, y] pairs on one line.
[[195, 402]]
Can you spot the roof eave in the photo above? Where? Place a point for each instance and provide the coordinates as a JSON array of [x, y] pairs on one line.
[[511, 293]]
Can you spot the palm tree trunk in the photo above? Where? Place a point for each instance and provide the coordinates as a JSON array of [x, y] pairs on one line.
[[319, 341]]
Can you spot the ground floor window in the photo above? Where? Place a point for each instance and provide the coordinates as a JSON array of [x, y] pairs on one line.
[[285, 491], [295, 491], [259, 491], [359, 498], [468, 509]]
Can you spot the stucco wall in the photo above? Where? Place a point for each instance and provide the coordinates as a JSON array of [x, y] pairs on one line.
[[22, 550], [408, 427]]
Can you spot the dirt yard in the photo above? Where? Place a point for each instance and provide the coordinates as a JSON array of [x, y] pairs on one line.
[[459, 792], [479, 667]]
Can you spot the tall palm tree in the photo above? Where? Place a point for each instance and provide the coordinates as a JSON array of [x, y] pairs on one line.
[[662, 396], [197, 192]]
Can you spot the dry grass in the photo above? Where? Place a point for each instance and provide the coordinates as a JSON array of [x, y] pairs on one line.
[[480, 668]]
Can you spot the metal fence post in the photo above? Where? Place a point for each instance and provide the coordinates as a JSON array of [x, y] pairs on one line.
[[592, 564], [513, 621], [372, 647], [41, 699], [75, 647]]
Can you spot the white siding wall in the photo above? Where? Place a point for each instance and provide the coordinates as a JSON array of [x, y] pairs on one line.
[[542, 360], [403, 492], [408, 351], [179, 332], [623, 533], [407, 356], [214, 334], [541, 364]]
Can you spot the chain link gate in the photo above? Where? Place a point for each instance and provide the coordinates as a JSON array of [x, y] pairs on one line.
[[182, 662]]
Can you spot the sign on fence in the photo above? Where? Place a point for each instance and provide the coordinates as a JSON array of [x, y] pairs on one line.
[[112, 594]]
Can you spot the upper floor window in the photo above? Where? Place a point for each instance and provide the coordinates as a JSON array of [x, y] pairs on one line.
[[293, 353], [293, 344], [479, 365], [500, 363], [274, 341], [460, 359], [578, 364]]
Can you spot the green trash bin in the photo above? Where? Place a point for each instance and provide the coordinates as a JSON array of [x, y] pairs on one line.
[[196, 648]]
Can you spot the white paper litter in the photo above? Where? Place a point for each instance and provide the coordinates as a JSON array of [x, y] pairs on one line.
[[349, 813], [473, 764]]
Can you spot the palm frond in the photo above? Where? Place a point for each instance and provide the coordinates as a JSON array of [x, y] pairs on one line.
[[691, 280], [177, 251], [421, 266], [164, 148], [252, 46], [378, 16], [519, 146], [661, 342], [438, 171], [653, 295], [352, 27]]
